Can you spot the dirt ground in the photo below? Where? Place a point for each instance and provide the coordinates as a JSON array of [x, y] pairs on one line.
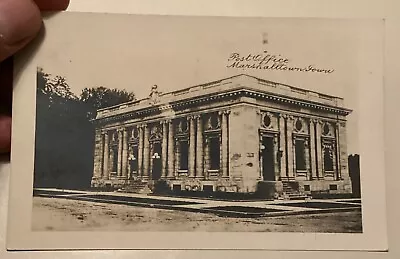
[[69, 215]]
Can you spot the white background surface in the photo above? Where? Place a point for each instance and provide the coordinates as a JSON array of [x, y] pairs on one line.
[[390, 10]]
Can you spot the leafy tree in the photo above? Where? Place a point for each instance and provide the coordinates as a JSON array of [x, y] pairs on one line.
[[102, 97], [64, 144]]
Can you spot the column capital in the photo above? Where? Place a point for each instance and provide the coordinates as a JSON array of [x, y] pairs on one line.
[[283, 115], [224, 112], [165, 121], [196, 116]]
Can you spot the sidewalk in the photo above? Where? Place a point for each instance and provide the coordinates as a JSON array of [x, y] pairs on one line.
[[241, 209]]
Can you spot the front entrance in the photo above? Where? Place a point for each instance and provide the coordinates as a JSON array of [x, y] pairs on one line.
[[267, 158], [157, 164]]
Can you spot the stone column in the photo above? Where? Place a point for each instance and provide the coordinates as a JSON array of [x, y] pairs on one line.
[[224, 143], [337, 153], [120, 148], [164, 149], [199, 149], [307, 158], [140, 151], [98, 155], [206, 158], [313, 151], [171, 150], [343, 156], [146, 152], [276, 160], [125, 154], [106, 169], [282, 145], [192, 146], [319, 155], [290, 149]]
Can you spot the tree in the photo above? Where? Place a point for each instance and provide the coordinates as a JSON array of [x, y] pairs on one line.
[[102, 97], [64, 144]]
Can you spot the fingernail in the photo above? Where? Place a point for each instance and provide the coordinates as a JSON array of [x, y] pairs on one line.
[[20, 21]]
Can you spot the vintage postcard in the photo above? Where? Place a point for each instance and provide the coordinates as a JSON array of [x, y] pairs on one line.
[[174, 132]]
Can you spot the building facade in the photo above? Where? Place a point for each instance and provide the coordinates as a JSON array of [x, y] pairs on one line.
[[240, 134]]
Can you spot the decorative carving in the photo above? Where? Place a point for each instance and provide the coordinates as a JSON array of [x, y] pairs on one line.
[[154, 96], [213, 122], [155, 132]]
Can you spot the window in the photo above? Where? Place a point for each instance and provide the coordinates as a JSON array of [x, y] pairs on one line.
[[115, 159], [299, 125], [214, 153], [184, 155], [267, 121], [328, 159], [300, 155], [326, 129]]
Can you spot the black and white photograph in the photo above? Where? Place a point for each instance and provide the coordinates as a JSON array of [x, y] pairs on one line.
[[198, 124]]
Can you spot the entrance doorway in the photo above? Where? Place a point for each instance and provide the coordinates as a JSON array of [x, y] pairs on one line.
[[157, 164], [267, 158]]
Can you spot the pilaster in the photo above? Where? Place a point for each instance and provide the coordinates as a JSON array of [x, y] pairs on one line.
[[224, 142], [124, 167], [106, 157], [290, 148], [199, 149], [164, 149], [192, 145], [146, 152], [282, 146], [120, 148], [313, 151], [171, 150]]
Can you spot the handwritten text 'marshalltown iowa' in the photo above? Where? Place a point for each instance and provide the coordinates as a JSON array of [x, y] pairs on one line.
[[266, 61]]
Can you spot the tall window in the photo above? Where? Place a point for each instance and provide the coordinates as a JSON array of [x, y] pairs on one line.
[[300, 155], [115, 158], [184, 155], [328, 159], [214, 153]]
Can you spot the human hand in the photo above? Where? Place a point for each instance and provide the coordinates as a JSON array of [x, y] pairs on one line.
[[20, 22]]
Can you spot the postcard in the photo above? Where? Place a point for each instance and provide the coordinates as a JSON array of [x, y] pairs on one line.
[[180, 132]]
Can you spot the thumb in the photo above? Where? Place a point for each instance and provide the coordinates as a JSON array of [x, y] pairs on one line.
[[20, 21]]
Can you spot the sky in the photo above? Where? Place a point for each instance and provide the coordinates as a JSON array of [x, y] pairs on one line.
[[135, 52]]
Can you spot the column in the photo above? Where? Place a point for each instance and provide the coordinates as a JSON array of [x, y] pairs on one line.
[[206, 158], [125, 154], [290, 149], [276, 160], [146, 152], [337, 153], [140, 151], [343, 156], [164, 149], [199, 149], [171, 150], [282, 145], [119, 169], [98, 155], [307, 158], [192, 146], [319, 155], [106, 169], [224, 143], [313, 150]]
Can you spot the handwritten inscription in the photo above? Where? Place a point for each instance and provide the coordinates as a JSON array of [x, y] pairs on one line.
[[267, 61]]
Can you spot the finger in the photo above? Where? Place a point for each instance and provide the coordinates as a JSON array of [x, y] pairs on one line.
[[5, 134], [52, 5], [20, 21]]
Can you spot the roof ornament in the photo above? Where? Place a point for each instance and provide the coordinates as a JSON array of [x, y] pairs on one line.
[[154, 96]]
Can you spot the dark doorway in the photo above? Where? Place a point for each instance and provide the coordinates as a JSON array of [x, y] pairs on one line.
[[267, 158], [157, 164]]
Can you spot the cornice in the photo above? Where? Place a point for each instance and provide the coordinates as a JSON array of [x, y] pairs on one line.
[[198, 100]]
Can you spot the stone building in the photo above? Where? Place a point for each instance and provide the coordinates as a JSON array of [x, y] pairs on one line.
[[239, 134]]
